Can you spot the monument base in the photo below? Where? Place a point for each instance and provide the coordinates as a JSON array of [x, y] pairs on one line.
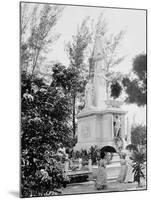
[[95, 127], [88, 145]]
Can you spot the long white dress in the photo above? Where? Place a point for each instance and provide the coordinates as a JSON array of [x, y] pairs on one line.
[[130, 175], [101, 179], [123, 171]]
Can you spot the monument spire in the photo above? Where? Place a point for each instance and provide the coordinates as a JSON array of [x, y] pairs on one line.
[[99, 79]]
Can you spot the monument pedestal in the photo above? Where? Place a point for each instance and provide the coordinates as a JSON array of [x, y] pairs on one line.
[[95, 127]]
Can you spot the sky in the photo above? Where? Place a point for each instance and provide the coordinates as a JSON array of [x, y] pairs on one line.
[[133, 43], [132, 21]]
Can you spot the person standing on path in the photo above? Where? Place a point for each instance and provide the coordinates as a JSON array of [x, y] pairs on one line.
[[101, 179], [123, 170], [130, 176]]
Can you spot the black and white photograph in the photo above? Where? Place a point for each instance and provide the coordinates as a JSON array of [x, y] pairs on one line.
[[83, 99]]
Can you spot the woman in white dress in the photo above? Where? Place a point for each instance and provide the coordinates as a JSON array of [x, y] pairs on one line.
[[101, 179], [129, 177], [123, 171]]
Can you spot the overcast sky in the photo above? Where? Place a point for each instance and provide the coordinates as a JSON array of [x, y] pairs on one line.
[[132, 21]]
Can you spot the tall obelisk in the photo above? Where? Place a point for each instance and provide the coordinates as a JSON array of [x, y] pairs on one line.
[[100, 95], [96, 120]]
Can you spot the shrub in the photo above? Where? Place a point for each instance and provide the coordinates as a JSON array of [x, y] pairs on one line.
[[138, 166], [41, 177], [45, 115]]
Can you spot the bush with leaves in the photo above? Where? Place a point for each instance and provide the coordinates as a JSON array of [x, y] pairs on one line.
[[138, 135], [136, 85], [41, 177], [116, 90], [93, 153], [45, 116]]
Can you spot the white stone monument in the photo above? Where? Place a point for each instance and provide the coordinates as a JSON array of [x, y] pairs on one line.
[[96, 122], [88, 94]]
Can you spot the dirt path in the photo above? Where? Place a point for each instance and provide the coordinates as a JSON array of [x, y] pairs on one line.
[[88, 187]]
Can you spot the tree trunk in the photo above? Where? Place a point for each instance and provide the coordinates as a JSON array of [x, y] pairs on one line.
[[73, 117], [35, 62]]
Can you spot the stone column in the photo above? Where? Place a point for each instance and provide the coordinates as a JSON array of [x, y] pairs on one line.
[[112, 119], [99, 90], [123, 126], [128, 132]]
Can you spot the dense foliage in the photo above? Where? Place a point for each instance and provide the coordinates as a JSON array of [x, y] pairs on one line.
[[116, 90], [138, 135], [139, 159], [45, 115], [136, 88]]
